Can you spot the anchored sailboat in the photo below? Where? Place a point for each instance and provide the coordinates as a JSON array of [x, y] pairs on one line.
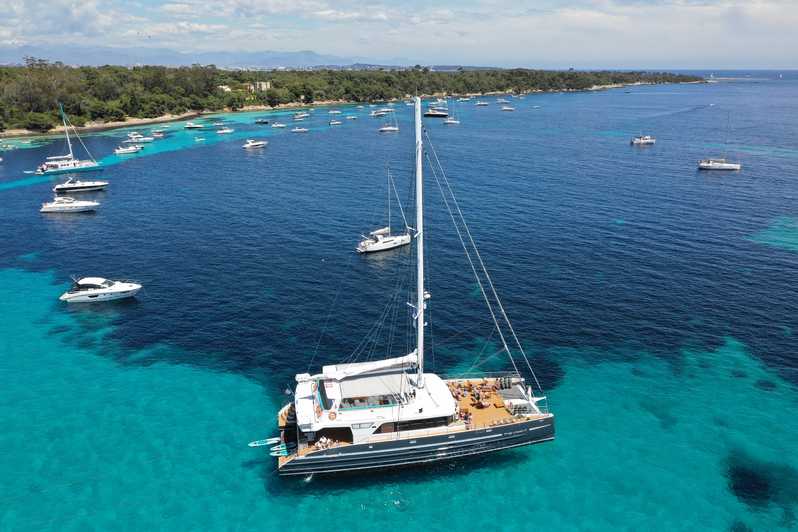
[[61, 164], [382, 239], [390, 412]]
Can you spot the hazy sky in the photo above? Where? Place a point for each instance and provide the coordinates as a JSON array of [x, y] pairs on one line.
[[545, 33]]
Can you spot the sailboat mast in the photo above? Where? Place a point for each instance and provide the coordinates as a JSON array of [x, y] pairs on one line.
[[419, 246], [66, 130]]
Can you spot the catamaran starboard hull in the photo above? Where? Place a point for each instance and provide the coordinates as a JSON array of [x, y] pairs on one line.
[[422, 450]]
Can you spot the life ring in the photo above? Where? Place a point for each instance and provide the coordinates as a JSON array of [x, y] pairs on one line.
[[332, 416], [318, 411]]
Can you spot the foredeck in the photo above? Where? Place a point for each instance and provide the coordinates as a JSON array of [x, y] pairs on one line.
[[479, 402]]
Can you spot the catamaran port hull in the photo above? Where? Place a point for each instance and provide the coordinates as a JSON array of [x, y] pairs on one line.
[[421, 450]]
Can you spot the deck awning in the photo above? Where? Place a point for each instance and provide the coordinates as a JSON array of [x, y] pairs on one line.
[[339, 372]]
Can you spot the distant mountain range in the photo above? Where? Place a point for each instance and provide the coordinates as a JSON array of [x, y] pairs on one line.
[[95, 56]]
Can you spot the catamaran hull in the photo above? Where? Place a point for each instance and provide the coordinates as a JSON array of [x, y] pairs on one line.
[[71, 170], [421, 450]]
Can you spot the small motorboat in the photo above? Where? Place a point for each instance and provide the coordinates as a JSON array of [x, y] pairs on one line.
[[94, 289], [481, 103], [643, 140], [389, 129], [299, 130], [192, 125], [157, 134], [225, 130], [334, 112], [507, 108], [75, 185], [436, 112], [124, 150], [451, 121], [252, 144], [463, 99], [300, 116], [261, 121], [351, 117], [718, 164], [278, 125], [138, 139], [335, 122], [218, 123], [502, 100], [382, 240], [199, 139], [67, 204]]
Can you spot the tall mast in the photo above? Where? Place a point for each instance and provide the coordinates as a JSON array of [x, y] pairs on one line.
[[66, 130], [419, 246]]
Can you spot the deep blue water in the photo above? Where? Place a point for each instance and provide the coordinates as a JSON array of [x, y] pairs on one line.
[[658, 304]]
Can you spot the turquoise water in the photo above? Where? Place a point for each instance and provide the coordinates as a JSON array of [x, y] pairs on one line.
[[658, 304], [89, 444]]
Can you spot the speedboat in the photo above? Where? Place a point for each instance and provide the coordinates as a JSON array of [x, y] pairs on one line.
[[382, 240], [261, 121], [158, 134], [508, 108], [643, 140], [463, 99], [224, 130], [481, 103], [278, 125], [123, 150], [334, 112], [351, 117], [218, 123], [67, 204], [451, 121], [199, 139], [502, 100], [192, 125], [377, 114], [335, 122], [436, 112], [138, 139], [301, 116], [75, 185], [299, 130], [389, 129], [718, 164], [94, 289], [251, 144]]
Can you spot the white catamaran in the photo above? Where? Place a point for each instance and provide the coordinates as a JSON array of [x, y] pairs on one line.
[[390, 412], [61, 164]]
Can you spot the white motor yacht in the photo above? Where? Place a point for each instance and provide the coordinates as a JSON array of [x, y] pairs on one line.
[[334, 112], [299, 130], [124, 150], [94, 289], [192, 125], [252, 144], [481, 104], [508, 108], [502, 100], [451, 121], [335, 122], [351, 117], [301, 116], [436, 112], [75, 185], [67, 204], [718, 164], [643, 140], [138, 140], [224, 130], [278, 125]]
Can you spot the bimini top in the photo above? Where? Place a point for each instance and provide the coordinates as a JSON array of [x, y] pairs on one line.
[[339, 372]]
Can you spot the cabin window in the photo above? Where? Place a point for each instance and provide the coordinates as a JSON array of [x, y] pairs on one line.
[[422, 424], [385, 428]]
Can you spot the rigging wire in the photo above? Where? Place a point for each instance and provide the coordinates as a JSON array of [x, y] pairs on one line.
[[481, 262]]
